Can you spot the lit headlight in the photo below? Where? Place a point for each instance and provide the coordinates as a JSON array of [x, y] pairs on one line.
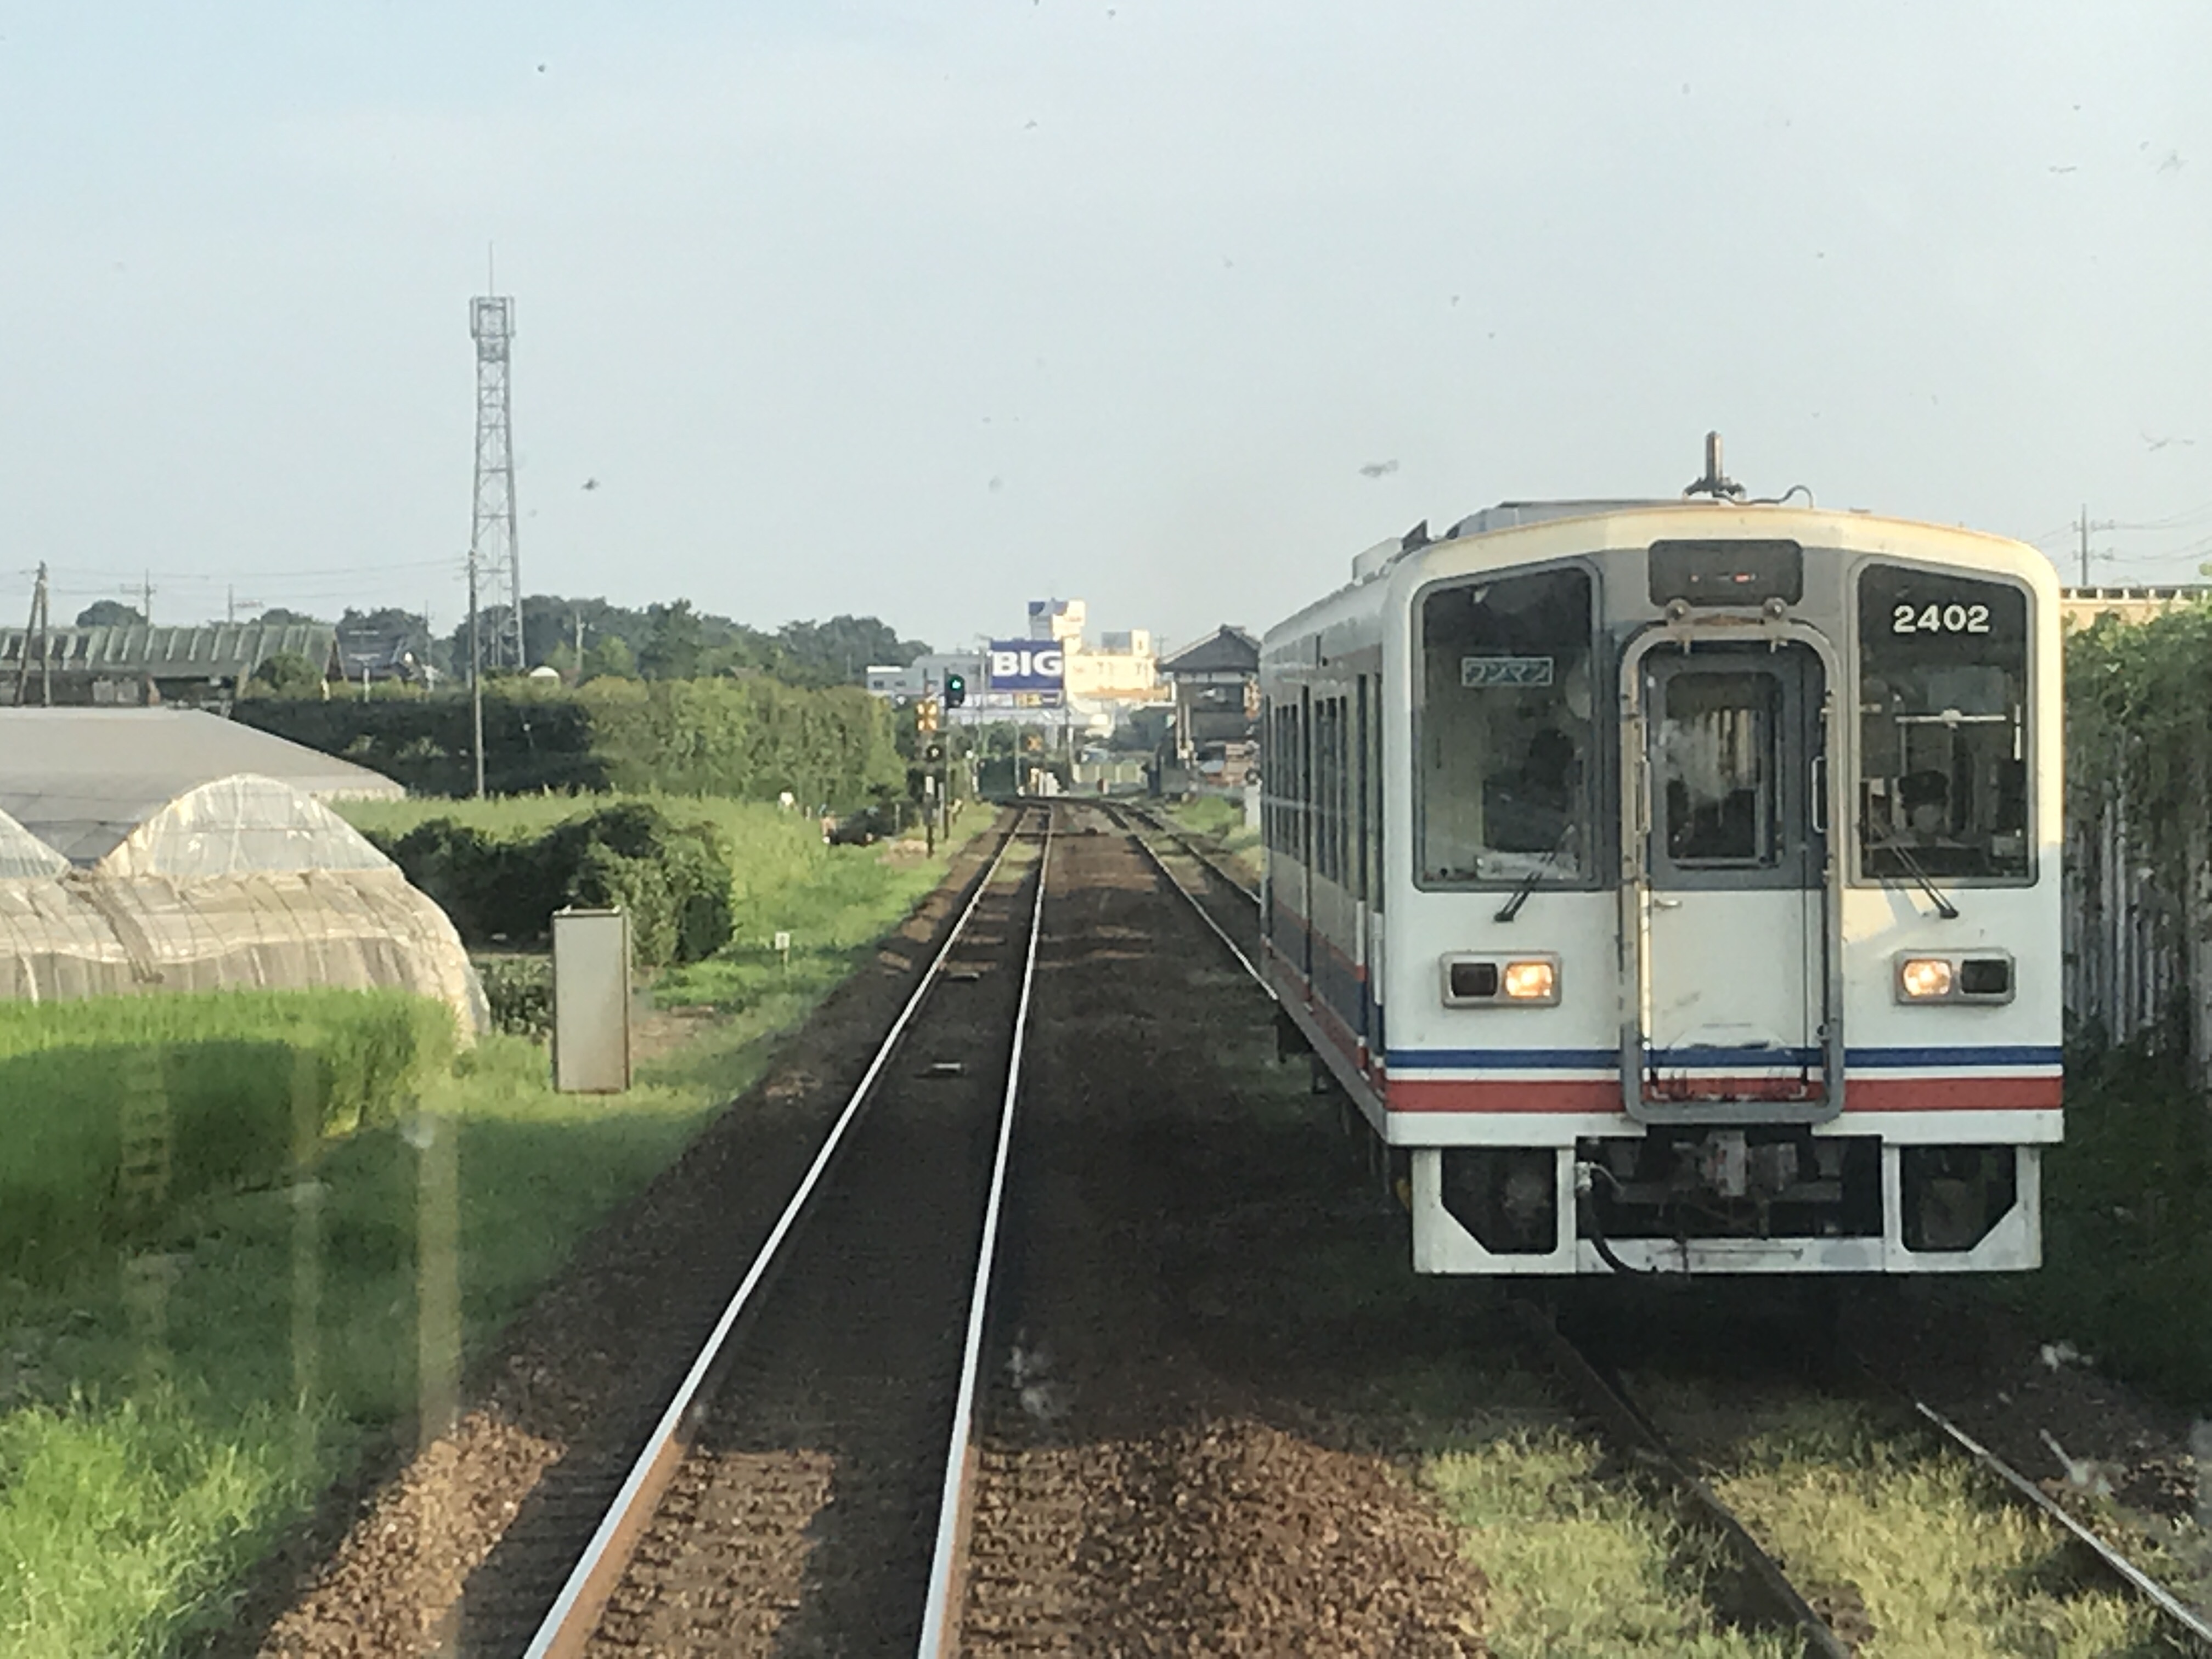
[[1924, 979], [1531, 981], [1482, 980]]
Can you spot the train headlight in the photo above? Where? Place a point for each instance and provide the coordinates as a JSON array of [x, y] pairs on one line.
[[1984, 976], [1531, 981], [1924, 979], [1472, 981]]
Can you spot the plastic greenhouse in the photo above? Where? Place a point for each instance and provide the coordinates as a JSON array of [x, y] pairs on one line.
[[125, 881]]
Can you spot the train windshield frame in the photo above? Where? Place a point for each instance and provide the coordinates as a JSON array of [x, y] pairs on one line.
[[1507, 750], [1945, 759]]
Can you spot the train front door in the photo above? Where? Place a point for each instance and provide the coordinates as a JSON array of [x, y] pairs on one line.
[[1727, 885]]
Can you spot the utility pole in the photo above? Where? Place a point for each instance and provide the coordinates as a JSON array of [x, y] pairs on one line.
[[146, 599], [40, 625], [2085, 527], [476, 676]]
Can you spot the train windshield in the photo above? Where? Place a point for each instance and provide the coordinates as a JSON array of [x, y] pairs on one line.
[[1504, 731], [1943, 769]]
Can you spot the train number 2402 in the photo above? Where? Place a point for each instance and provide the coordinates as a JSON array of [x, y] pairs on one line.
[[1939, 619]]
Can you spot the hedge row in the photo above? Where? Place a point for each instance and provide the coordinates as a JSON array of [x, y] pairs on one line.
[[749, 740], [117, 1110], [674, 879]]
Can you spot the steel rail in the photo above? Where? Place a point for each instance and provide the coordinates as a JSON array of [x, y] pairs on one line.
[[940, 1623], [1191, 898], [567, 1626], [1784, 1603], [2191, 1622]]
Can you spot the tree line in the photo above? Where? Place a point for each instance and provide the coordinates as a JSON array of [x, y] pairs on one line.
[[588, 639]]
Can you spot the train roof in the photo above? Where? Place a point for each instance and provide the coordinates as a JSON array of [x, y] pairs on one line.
[[1507, 516]]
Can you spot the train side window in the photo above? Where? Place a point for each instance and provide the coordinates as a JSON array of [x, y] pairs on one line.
[[1944, 781], [1505, 728], [1319, 795], [1266, 773]]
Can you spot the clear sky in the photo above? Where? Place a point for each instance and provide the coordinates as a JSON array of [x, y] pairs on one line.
[[929, 309]]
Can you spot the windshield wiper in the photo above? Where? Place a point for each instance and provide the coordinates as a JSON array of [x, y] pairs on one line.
[[1511, 908], [1944, 908]]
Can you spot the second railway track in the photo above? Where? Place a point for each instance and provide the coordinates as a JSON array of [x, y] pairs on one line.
[[791, 1498], [1764, 1592]]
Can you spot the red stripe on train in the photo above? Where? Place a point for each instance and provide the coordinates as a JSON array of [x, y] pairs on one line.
[[1862, 1094]]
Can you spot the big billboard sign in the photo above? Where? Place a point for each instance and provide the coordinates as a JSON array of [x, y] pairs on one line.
[[1025, 665]]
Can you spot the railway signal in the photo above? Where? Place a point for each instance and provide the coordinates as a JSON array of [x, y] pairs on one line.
[[925, 714], [955, 690]]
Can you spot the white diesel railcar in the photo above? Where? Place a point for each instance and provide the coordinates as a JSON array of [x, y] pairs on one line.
[[1673, 886]]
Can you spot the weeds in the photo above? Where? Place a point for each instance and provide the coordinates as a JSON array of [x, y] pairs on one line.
[[1221, 822], [1940, 1564]]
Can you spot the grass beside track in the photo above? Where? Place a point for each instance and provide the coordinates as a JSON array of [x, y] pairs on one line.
[[1909, 1538], [1218, 825], [173, 1399]]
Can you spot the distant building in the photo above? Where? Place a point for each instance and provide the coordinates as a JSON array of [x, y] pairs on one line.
[[2080, 606], [1121, 670], [138, 663], [1215, 742], [367, 653], [925, 676], [1057, 619]]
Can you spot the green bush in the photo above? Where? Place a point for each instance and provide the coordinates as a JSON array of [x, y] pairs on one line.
[[673, 878], [119, 1110], [520, 992]]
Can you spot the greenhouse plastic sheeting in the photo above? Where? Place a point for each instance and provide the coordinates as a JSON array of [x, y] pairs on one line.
[[54, 943], [242, 882], [22, 854], [91, 935], [239, 826]]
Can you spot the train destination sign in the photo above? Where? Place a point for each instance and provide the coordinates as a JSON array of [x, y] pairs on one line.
[[1484, 671]]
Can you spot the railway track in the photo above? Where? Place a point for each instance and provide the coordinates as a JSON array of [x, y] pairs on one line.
[[806, 1480], [1764, 1591]]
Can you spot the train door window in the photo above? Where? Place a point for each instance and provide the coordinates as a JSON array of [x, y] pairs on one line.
[[1334, 793], [1375, 774], [1359, 863], [1325, 854], [1324, 788], [1717, 769], [1505, 732], [1943, 772]]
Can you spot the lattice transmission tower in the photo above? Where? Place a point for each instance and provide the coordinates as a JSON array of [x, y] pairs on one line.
[[494, 555]]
